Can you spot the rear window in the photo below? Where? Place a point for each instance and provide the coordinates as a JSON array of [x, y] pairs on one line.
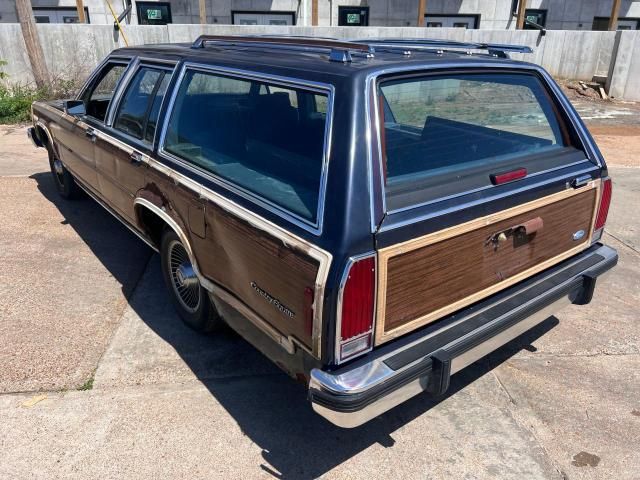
[[264, 138], [447, 134]]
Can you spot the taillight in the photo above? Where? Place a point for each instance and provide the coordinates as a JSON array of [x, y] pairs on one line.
[[605, 201], [357, 308]]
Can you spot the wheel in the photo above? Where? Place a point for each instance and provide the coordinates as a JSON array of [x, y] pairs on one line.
[[64, 181], [189, 298]]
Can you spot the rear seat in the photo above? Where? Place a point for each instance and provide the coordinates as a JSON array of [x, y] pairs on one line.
[[278, 137], [223, 116]]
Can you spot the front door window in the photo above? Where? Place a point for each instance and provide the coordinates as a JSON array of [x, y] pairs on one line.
[[99, 95]]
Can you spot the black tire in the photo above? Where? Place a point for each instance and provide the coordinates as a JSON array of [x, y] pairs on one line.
[[62, 178], [190, 300]]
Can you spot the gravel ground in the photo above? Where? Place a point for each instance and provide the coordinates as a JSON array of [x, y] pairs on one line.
[[101, 380]]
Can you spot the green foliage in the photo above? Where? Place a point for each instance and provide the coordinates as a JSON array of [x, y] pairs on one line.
[[16, 99], [15, 103], [88, 385]]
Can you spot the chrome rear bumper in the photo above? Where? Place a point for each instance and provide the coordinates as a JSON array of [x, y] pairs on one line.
[[424, 361]]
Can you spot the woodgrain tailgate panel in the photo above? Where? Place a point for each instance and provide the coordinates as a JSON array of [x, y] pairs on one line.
[[429, 277]]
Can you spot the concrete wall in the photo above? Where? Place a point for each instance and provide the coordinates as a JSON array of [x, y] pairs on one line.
[[494, 14], [624, 81], [561, 14], [182, 11], [72, 51]]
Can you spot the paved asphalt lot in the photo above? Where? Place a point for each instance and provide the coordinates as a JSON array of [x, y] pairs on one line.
[[99, 379]]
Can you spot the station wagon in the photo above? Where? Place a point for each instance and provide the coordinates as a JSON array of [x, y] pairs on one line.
[[373, 215]]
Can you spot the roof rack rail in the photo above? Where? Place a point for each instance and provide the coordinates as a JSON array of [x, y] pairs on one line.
[[339, 50], [497, 49]]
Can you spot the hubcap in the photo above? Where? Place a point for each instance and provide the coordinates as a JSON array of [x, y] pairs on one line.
[[183, 278]]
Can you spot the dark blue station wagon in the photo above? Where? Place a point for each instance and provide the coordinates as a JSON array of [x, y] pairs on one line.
[[372, 215]]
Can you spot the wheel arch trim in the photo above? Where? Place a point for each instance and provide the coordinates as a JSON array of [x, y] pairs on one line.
[[173, 224], [45, 129]]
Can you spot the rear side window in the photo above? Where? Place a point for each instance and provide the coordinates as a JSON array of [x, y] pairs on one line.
[[265, 139], [448, 134], [138, 112]]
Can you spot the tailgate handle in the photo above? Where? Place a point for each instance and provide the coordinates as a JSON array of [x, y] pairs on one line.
[[530, 226], [519, 232]]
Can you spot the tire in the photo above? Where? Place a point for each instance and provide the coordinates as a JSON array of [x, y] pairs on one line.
[[65, 183], [189, 298]]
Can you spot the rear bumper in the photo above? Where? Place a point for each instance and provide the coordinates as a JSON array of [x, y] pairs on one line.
[[424, 361]]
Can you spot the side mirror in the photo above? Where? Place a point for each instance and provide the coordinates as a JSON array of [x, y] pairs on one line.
[[74, 107]]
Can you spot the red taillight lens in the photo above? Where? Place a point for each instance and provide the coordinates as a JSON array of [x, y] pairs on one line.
[[358, 298], [605, 201]]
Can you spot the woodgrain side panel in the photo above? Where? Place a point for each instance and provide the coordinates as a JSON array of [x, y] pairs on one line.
[[251, 263], [432, 276]]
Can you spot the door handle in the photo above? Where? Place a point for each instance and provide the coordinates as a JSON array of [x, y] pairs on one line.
[[90, 133], [135, 158]]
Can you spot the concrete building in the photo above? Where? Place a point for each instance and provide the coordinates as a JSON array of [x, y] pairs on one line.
[[482, 14]]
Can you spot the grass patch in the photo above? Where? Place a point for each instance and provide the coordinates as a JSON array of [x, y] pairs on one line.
[[88, 385]]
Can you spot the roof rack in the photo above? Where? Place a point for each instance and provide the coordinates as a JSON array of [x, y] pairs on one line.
[[339, 50], [496, 49]]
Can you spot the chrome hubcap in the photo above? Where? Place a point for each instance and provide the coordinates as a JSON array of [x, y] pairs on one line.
[[183, 278]]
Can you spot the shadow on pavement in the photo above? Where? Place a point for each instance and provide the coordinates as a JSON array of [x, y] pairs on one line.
[[269, 407], [123, 254]]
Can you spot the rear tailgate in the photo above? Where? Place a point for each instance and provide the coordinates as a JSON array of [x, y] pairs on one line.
[[486, 183], [428, 277]]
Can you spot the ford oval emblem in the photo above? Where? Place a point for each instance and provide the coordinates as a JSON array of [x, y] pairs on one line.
[[578, 235]]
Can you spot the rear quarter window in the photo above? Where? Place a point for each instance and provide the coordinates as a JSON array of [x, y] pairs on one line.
[[266, 139], [447, 134]]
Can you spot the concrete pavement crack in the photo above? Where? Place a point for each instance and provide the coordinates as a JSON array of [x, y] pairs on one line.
[[128, 297], [630, 247], [503, 387]]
